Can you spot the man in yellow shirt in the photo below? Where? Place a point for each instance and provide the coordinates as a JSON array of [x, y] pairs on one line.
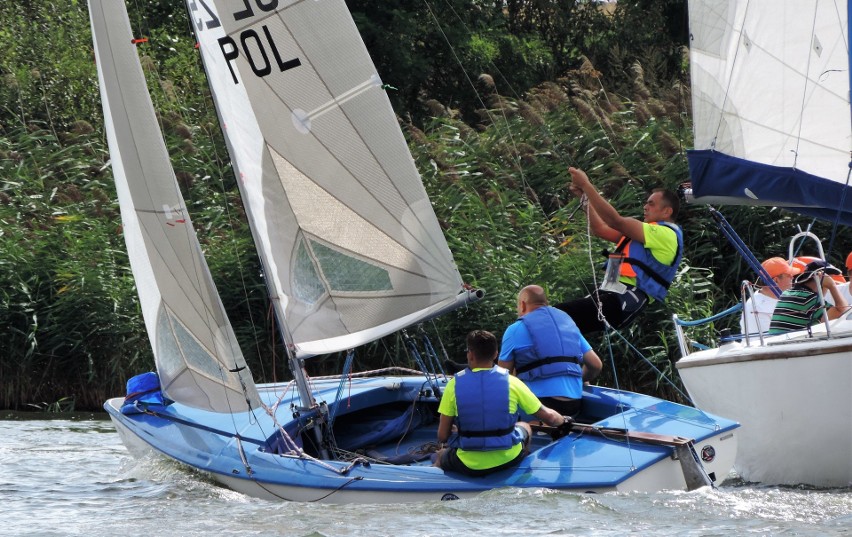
[[484, 401], [645, 261]]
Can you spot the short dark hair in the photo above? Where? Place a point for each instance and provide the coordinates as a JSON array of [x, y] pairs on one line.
[[482, 344], [671, 200]]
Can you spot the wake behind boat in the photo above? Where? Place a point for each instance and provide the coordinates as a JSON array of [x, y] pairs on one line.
[[770, 84], [351, 252]]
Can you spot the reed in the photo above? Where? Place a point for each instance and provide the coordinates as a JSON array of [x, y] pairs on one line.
[[612, 100]]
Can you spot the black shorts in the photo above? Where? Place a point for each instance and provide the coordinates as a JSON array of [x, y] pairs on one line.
[[450, 461], [619, 309]]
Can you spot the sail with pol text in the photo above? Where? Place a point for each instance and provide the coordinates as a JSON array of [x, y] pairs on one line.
[[351, 247]]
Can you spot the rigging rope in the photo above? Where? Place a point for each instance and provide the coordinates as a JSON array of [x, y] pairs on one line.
[[582, 202], [515, 155], [344, 376], [744, 251], [620, 405], [432, 379], [836, 223]]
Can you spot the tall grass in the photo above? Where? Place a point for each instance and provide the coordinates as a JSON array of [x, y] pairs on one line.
[[71, 325]]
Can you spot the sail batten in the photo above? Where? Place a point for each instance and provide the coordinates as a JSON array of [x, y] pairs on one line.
[[770, 83], [347, 235]]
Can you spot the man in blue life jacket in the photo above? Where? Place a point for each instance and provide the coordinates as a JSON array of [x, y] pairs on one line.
[[644, 263], [547, 351], [484, 400]]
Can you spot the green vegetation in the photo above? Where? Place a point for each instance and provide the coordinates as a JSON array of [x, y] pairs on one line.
[[566, 84]]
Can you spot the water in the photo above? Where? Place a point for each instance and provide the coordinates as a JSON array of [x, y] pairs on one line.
[[67, 477]]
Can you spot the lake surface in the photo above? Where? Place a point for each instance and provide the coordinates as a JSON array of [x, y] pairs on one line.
[[73, 477]]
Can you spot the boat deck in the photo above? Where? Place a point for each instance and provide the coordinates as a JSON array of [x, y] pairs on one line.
[[387, 425]]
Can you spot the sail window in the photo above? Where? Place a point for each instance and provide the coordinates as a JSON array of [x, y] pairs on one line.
[[176, 349], [307, 285], [346, 273]]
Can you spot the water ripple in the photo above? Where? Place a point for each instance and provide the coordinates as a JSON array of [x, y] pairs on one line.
[[73, 477]]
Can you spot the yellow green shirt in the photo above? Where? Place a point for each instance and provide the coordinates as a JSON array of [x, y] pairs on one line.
[[519, 396]]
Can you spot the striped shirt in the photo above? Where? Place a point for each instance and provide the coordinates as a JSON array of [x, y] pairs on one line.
[[797, 308]]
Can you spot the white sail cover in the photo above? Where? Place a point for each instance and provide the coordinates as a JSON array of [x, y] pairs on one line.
[[770, 93], [198, 360], [350, 244]]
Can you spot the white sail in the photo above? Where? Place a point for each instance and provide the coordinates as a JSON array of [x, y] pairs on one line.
[[350, 244], [770, 92], [197, 357]]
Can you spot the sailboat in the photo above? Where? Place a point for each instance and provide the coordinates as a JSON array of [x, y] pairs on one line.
[[770, 84], [351, 251]]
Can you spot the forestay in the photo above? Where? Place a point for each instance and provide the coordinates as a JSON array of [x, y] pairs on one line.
[[197, 357], [350, 244], [770, 85]]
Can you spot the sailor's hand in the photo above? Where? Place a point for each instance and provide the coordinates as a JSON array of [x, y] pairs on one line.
[[577, 193], [579, 181], [563, 429]]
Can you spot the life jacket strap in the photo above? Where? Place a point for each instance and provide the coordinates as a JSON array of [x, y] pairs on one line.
[[545, 361], [495, 432], [649, 271]]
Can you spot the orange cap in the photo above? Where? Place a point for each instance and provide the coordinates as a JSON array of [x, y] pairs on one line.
[[777, 266], [849, 261]]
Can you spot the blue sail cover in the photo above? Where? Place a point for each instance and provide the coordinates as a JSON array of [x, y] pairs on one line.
[[770, 84], [720, 178]]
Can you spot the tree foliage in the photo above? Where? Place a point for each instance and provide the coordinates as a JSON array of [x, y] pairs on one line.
[[496, 97]]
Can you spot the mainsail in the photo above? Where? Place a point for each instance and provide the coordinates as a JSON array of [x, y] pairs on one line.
[[197, 357], [770, 92], [350, 244]]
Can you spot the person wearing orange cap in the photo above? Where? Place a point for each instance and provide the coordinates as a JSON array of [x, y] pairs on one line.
[[800, 307], [757, 310], [844, 287]]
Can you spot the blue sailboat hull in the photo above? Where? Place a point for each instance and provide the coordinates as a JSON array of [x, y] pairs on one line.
[[246, 451]]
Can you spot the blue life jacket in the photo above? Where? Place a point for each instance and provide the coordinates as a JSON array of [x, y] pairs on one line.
[[143, 392], [482, 402], [652, 277], [556, 346]]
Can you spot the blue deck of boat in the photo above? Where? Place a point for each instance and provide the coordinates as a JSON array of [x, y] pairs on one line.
[[215, 442]]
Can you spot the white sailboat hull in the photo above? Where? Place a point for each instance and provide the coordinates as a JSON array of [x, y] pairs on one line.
[[793, 398]]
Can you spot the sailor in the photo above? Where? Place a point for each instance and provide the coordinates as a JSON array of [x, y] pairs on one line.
[[643, 265], [799, 307], [484, 401], [844, 287], [757, 310], [547, 351]]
